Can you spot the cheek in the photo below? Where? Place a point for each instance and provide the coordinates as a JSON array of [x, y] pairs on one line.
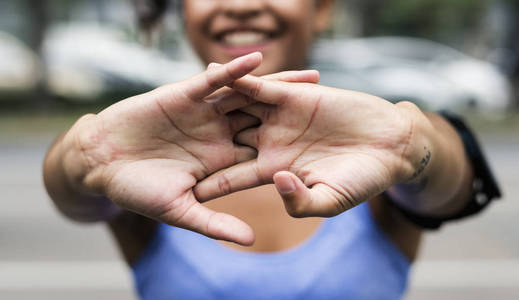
[[299, 36], [195, 15], [289, 52]]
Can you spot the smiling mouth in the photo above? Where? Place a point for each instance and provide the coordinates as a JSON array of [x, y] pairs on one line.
[[245, 38]]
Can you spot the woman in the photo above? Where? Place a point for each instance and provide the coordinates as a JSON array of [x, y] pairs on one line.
[[157, 156]]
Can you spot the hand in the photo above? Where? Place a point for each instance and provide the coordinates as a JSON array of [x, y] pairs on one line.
[[346, 146], [146, 153]]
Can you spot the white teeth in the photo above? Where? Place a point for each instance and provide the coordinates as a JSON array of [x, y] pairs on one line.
[[244, 38]]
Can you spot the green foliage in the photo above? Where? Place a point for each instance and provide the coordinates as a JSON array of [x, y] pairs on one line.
[[433, 19]]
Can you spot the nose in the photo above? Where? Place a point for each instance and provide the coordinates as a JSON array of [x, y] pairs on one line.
[[242, 9]]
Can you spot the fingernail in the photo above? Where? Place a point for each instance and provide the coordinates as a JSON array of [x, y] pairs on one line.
[[287, 187], [256, 53], [254, 56], [213, 65]]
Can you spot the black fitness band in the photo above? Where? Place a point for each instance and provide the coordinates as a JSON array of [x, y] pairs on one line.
[[484, 185]]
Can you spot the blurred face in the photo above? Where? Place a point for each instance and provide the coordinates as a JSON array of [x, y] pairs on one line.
[[220, 30]]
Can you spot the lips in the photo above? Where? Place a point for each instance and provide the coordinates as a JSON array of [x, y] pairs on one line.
[[242, 41], [244, 38]]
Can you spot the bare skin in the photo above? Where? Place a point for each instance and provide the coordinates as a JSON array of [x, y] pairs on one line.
[[392, 157], [147, 152], [133, 232], [81, 188]]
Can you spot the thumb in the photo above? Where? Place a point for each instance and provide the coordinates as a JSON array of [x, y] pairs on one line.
[[320, 200], [309, 76], [213, 224]]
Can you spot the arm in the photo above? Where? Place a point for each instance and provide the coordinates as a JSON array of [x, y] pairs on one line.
[[131, 231], [71, 199], [442, 184], [328, 150], [145, 154], [418, 193]]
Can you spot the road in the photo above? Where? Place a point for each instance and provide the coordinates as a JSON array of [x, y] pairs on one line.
[[44, 256]]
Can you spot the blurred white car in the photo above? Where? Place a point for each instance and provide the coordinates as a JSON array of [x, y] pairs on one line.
[[85, 60], [20, 68], [396, 68]]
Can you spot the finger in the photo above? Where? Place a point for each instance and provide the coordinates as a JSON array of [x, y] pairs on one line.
[[220, 93], [203, 84], [260, 89], [309, 76], [236, 178], [244, 153], [213, 65], [215, 225], [239, 121], [259, 110], [227, 101], [248, 137], [300, 201]]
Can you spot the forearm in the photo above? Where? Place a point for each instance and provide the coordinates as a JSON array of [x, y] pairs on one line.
[[73, 201], [442, 182]]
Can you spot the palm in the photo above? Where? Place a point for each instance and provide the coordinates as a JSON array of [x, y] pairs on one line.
[[146, 153], [346, 146], [162, 152]]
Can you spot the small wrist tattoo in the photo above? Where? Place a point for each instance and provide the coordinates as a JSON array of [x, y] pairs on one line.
[[423, 164]]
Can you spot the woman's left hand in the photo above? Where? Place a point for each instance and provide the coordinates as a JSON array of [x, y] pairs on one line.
[[325, 149]]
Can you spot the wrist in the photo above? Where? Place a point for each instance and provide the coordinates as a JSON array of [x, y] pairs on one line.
[[75, 163], [438, 166], [63, 173], [89, 203], [420, 152], [465, 185]]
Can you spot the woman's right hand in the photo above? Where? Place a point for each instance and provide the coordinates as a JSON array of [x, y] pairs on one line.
[[147, 152]]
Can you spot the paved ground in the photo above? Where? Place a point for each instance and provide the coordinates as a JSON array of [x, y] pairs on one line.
[[42, 255]]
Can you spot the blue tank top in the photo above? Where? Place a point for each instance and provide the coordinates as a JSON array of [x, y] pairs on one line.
[[348, 257]]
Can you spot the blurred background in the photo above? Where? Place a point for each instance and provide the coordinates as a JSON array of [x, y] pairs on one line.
[[63, 58]]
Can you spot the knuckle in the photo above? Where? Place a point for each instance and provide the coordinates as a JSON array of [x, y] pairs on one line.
[[210, 79], [256, 89], [224, 184], [230, 74], [260, 178]]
